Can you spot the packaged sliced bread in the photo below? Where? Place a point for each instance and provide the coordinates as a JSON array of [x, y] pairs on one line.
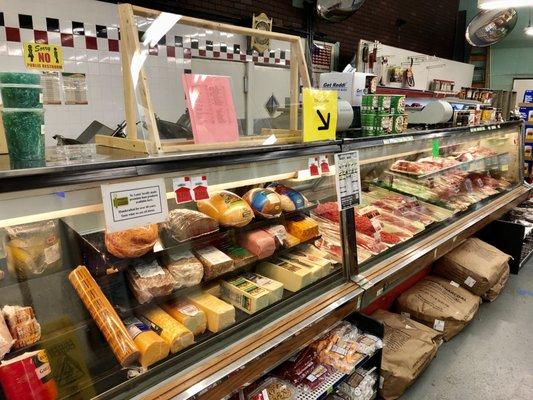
[[149, 280], [24, 328], [185, 268], [215, 262]]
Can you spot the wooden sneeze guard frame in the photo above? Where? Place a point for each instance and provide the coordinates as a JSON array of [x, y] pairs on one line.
[[130, 45]]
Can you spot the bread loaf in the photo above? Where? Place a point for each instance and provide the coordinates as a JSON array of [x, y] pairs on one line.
[[22, 324], [131, 243], [185, 268], [149, 280], [227, 208], [184, 224], [215, 262]]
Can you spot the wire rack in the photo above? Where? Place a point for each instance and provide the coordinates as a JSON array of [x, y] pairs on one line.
[[324, 389]]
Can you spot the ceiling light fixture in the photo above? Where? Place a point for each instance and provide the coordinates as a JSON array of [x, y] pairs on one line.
[[496, 4]]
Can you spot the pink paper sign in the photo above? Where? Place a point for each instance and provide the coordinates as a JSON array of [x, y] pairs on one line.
[[211, 108]]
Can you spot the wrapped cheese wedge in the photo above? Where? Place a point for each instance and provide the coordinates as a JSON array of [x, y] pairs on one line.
[[152, 347]]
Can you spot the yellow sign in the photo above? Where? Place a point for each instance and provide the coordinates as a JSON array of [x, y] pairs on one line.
[[43, 56], [320, 114]]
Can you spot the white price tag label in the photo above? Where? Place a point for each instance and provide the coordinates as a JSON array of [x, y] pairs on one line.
[[133, 204], [182, 189], [199, 188], [470, 281], [438, 325], [347, 179], [453, 283]]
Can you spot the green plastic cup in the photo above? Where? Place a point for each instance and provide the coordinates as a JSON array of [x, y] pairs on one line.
[[24, 129], [397, 104], [21, 96]]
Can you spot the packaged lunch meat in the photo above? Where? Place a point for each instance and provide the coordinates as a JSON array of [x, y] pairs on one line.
[[149, 280], [258, 242], [215, 262], [28, 377], [32, 249], [274, 389], [185, 268], [131, 243], [22, 324], [6, 340], [266, 203], [227, 208], [184, 224]]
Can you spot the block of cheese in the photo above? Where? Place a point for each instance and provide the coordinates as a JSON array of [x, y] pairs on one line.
[[187, 314], [171, 331], [219, 314], [293, 277], [304, 229], [275, 288], [244, 294], [312, 260], [290, 241], [316, 270], [215, 262], [152, 347], [258, 242], [313, 250]]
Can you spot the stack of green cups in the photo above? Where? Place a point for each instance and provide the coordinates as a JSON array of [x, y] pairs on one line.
[[23, 117], [376, 117], [399, 118]]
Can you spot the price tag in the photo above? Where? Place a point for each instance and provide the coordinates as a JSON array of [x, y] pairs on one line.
[[133, 204], [314, 169], [435, 147], [347, 179], [182, 189], [319, 114], [324, 164], [199, 187]]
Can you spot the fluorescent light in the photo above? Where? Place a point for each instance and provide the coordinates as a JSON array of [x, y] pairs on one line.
[[529, 30], [497, 4]]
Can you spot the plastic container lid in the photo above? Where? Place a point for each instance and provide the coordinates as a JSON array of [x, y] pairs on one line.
[[8, 110], [20, 77], [20, 85]]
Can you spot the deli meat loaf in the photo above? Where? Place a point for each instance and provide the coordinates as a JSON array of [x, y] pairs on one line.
[[258, 242], [184, 224], [439, 304]]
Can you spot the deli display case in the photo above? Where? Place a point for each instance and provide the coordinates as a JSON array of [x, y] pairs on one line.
[[113, 313]]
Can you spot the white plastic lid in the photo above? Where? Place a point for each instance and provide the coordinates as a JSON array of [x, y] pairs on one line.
[[19, 85], [8, 110]]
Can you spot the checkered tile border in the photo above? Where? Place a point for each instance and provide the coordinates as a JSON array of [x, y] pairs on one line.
[[82, 35]]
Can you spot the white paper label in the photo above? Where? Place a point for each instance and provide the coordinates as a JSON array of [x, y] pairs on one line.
[[41, 97], [380, 291], [43, 130], [43, 370], [133, 204], [199, 188], [438, 325], [135, 327], [453, 283], [347, 179], [470, 281], [314, 168], [149, 271], [381, 380], [339, 350], [51, 254], [182, 189], [188, 309], [264, 392]]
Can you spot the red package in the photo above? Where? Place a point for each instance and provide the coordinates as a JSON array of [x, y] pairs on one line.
[[28, 377]]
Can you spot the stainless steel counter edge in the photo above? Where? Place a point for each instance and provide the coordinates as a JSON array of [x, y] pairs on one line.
[[197, 388]]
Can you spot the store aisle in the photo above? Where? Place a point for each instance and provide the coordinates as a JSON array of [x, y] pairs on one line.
[[492, 358]]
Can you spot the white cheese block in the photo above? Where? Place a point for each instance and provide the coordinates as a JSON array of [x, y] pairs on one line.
[[311, 260], [313, 250], [219, 314], [275, 288], [316, 271], [293, 277], [245, 295]]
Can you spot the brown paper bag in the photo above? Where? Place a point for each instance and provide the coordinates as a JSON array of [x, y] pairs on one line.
[[495, 290], [475, 265], [408, 348], [437, 303]]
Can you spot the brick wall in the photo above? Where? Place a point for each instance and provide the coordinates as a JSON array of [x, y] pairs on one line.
[[429, 25]]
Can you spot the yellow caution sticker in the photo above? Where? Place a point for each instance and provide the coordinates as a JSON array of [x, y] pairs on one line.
[[319, 114], [43, 56]]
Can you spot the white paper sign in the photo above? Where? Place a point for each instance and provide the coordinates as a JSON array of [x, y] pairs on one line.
[[347, 179], [134, 204]]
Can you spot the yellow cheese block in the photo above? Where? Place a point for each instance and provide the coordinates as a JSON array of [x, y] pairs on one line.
[[171, 331], [245, 295], [292, 276], [316, 271], [304, 229], [219, 314], [187, 314], [151, 346]]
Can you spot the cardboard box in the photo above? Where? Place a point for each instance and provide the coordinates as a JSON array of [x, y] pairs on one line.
[[350, 85]]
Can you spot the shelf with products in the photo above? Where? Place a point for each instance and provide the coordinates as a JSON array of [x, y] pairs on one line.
[[319, 276]]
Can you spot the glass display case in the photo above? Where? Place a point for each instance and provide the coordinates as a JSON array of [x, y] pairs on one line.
[[118, 312], [416, 184]]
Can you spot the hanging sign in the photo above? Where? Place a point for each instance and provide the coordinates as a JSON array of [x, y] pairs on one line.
[[319, 114], [347, 179], [42, 56], [133, 204]]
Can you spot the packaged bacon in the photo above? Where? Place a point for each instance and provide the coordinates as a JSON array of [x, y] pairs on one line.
[[318, 375], [370, 244]]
